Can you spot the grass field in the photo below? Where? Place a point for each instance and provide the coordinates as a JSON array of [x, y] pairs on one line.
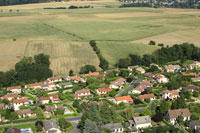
[[118, 31]]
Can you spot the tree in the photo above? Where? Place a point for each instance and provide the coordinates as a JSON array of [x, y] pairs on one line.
[[152, 42], [61, 96], [81, 123], [71, 73], [95, 114], [164, 106], [124, 73], [42, 59], [180, 120], [128, 113], [87, 69], [187, 94], [179, 103], [154, 68], [90, 127], [124, 63], [75, 104], [39, 92], [39, 126], [194, 116], [63, 123], [158, 117], [135, 59], [113, 93], [196, 93], [13, 116], [105, 113], [59, 111]]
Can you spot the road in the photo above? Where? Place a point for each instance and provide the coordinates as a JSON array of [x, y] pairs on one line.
[[129, 87]]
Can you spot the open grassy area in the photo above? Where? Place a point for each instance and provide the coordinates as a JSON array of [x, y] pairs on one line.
[[119, 31]]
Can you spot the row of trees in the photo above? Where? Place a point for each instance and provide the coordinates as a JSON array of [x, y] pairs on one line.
[[161, 56], [27, 70], [103, 62]]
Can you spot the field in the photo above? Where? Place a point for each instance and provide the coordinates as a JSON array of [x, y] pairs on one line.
[[64, 34]]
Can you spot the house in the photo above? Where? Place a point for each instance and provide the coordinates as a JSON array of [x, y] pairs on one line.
[[197, 79], [172, 68], [25, 113], [2, 106], [51, 86], [76, 79], [173, 115], [195, 124], [20, 102], [95, 74], [54, 79], [124, 99], [148, 75], [160, 78], [65, 85], [103, 91], [190, 87], [117, 84], [52, 98], [15, 89], [145, 96], [34, 85], [112, 70], [10, 96], [130, 68], [82, 93], [140, 122], [137, 68], [194, 65], [114, 127], [13, 130], [141, 87], [192, 74], [171, 95], [51, 127], [49, 110]]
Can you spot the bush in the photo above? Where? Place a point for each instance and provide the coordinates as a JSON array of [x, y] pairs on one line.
[[152, 43]]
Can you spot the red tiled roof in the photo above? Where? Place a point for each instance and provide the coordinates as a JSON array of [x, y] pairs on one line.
[[9, 95], [159, 76], [34, 84], [92, 74], [78, 78], [45, 98], [128, 98], [24, 111], [14, 87], [20, 100], [104, 89], [54, 78], [190, 74], [146, 96], [177, 112]]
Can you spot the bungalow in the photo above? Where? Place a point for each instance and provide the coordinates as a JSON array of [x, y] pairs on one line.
[[190, 87], [25, 113], [76, 79], [117, 84], [137, 68], [130, 68], [52, 98], [124, 99], [141, 87], [34, 85], [197, 79], [95, 74], [194, 65], [2, 106], [65, 85], [160, 78], [145, 96], [49, 110], [103, 91], [192, 74], [112, 70], [20, 102], [171, 95], [195, 124], [173, 115], [10, 96], [148, 75], [15, 89], [172, 68], [82, 93], [51, 86], [114, 127], [54, 79], [51, 127], [140, 122]]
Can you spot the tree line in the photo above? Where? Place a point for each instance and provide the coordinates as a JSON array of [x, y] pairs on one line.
[[27, 70], [161, 56], [103, 62]]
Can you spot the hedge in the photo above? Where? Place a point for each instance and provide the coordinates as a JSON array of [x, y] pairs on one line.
[[71, 127]]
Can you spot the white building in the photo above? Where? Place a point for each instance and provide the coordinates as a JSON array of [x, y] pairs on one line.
[[115, 127], [160, 78], [15, 89], [142, 122]]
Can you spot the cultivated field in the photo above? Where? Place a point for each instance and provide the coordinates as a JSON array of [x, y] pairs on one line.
[[118, 31]]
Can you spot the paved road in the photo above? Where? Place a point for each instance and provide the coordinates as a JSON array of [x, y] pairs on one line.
[[129, 87]]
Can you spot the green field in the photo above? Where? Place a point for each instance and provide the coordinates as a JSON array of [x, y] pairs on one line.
[[118, 31]]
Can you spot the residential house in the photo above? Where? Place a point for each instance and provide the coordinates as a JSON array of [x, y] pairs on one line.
[[141, 87], [49, 110], [2, 106], [82, 93], [192, 88], [95, 74], [10, 96], [153, 64], [112, 70], [25, 113], [51, 86], [140, 122], [51, 127], [76, 79], [137, 68], [114, 127], [148, 75], [173, 115], [15, 89], [160, 78], [145, 96], [124, 99], [194, 65], [195, 124], [34, 85], [197, 79], [130, 68], [117, 84], [103, 91], [52, 98], [192, 74], [20, 102], [54, 79], [65, 85], [171, 95], [172, 68]]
